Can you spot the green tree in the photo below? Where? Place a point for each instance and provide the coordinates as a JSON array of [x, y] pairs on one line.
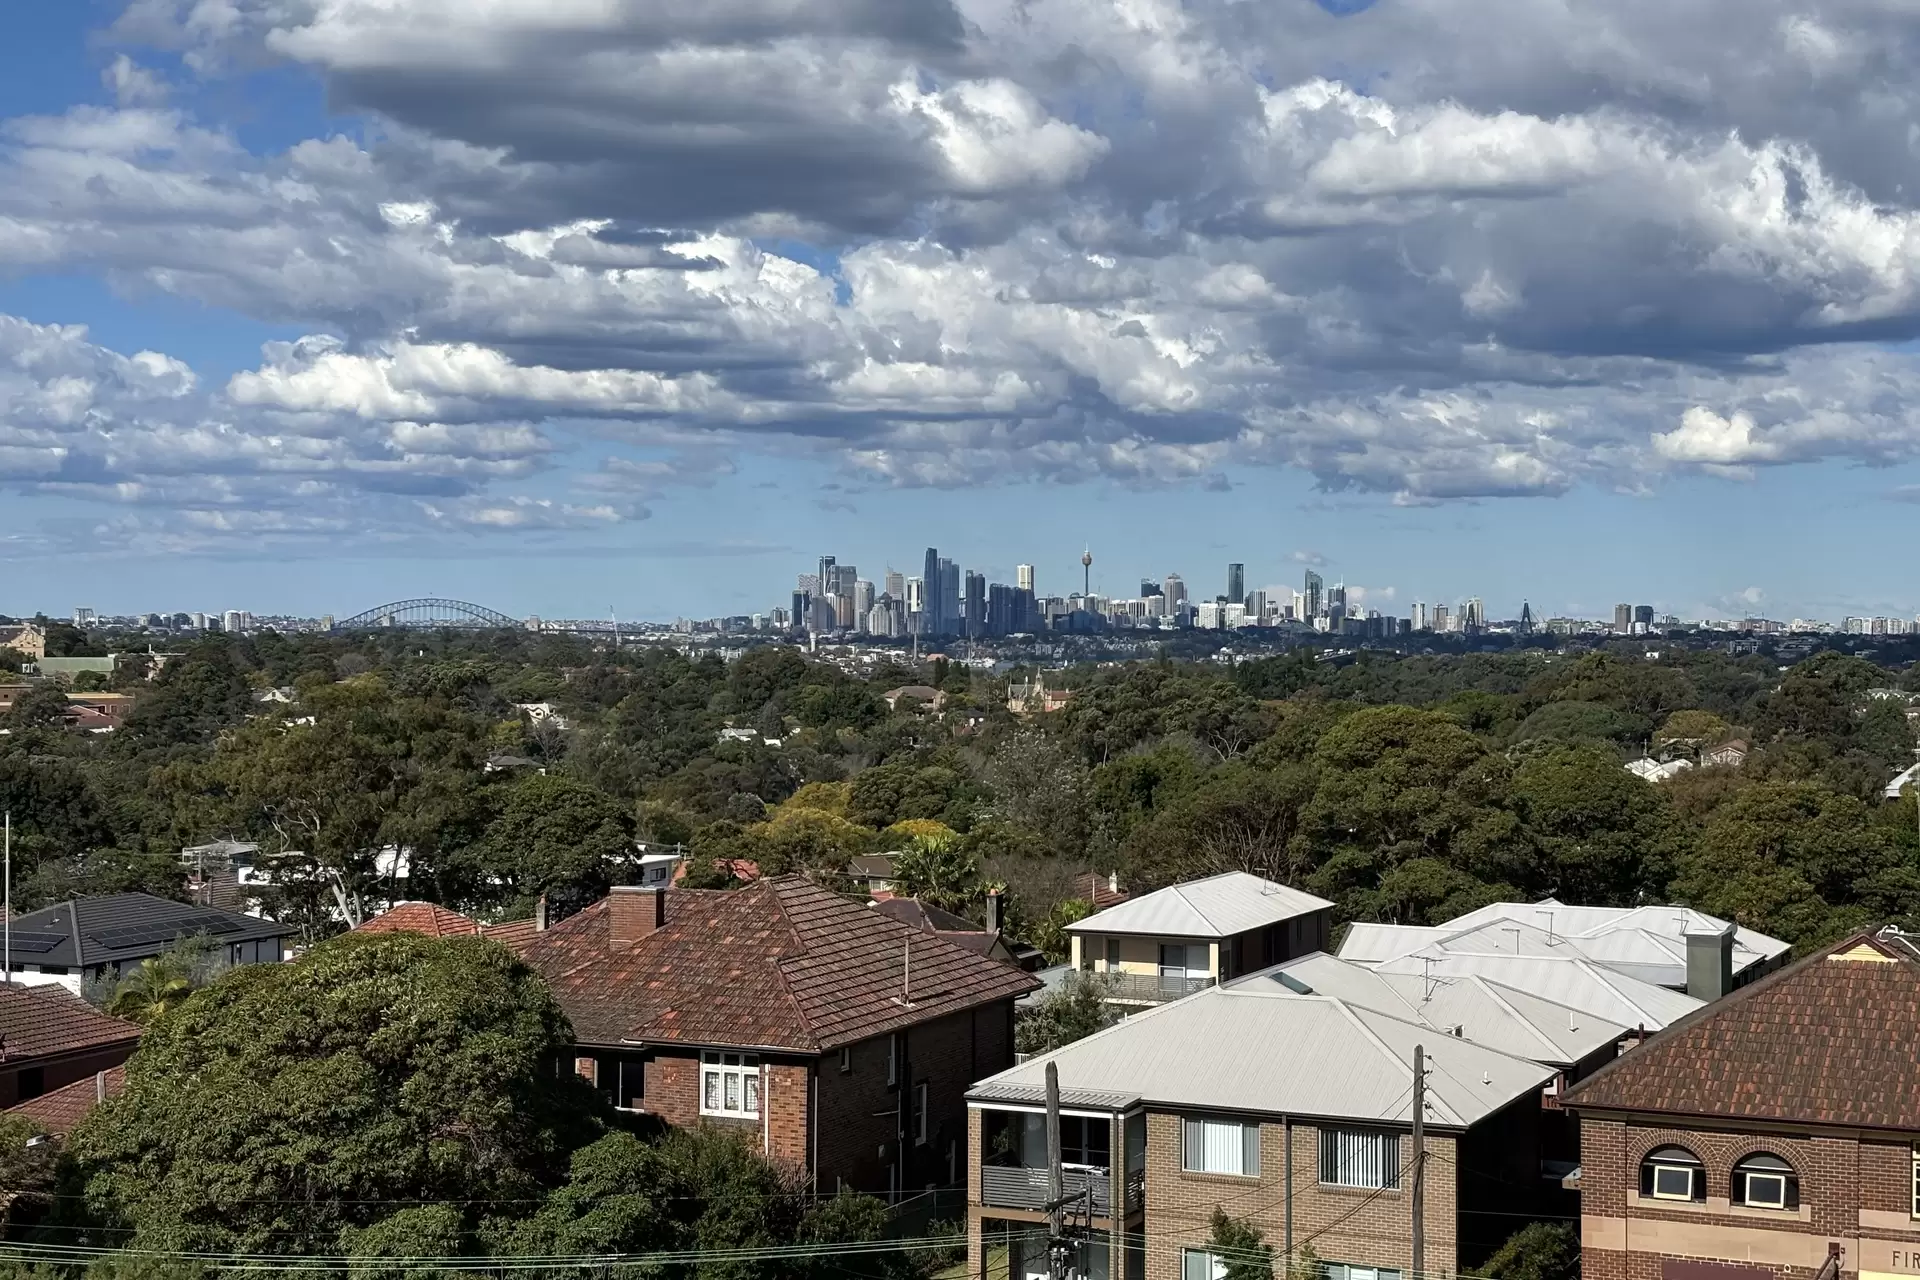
[[292, 1108], [1601, 835], [1243, 1251], [152, 989], [1695, 729], [1073, 1011], [41, 706], [558, 837], [939, 872], [1581, 722], [1537, 1251]]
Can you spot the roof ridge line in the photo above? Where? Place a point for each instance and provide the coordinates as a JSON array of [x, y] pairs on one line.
[[1524, 1020], [1353, 1015]]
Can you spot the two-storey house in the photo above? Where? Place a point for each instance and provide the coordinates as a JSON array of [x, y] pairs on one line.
[[841, 1040], [1774, 1133], [1184, 938], [1290, 1109], [50, 1038]]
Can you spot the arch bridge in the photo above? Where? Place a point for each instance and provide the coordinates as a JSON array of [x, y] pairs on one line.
[[426, 614]]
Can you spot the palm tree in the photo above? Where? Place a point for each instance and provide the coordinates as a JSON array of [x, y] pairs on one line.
[[149, 991]]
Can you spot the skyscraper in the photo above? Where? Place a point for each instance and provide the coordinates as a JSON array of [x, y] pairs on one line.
[[1623, 618], [1315, 592], [1643, 618], [1236, 583], [895, 584], [948, 596], [931, 621], [1023, 577], [976, 605], [1440, 618], [1175, 592], [1419, 618], [1473, 615]]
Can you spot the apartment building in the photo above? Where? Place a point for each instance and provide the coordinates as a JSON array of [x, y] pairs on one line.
[[1184, 938], [1772, 1135], [1287, 1108]]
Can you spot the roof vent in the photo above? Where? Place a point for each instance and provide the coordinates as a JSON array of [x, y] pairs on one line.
[[1292, 983]]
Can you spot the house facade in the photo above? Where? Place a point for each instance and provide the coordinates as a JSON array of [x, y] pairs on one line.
[[841, 1040], [1775, 1133], [1184, 938], [100, 938], [1231, 1098]]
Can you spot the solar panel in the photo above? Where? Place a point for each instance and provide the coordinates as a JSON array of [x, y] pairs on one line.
[[37, 942], [143, 935]]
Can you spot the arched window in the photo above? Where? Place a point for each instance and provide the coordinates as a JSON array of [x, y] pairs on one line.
[[1673, 1173], [1765, 1182]]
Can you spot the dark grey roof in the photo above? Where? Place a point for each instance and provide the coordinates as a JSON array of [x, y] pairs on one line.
[[126, 926]]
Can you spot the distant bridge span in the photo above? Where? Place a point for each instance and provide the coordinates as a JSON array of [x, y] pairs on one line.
[[426, 614]]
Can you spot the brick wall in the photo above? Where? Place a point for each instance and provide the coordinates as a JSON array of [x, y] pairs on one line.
[[857, 1134], [57, 1072], [1854, 1191], [1340, 1224]]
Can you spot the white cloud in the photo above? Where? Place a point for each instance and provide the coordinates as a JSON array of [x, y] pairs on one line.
[[1704, 436]]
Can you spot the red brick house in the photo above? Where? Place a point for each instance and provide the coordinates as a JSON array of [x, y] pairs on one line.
[[1773, 1133], [844, 1040], [50, 1038]]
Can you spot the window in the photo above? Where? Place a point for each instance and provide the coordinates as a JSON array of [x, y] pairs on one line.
[[846, 1060], [1916, 1179], [1765, 1182], [1198, 1264], [1113, 955], [729, 1084], [1348, 1271], [893, 1059], [920, 1113], [53, 968], [1222, 1146], [1673, 1173], [587, 1069], [1360, 1158]]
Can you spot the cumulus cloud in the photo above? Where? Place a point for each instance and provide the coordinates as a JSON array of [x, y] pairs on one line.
[[950, 242]]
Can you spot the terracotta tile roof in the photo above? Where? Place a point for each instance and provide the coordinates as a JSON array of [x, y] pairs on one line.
[[1815, 1043], [778, 964], [513, 933], [1099, 890], [58, 1111], [47, 1021], [429, 918]]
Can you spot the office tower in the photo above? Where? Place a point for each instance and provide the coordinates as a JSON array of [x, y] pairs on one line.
[[1148, 588], [1236, 583], [83, 616], [802, 607], [1623, 618], [862, 597], [1257, 608], [1086, 572], [1643, 617], [809, 583], [916, 595], [895, 585], [824, 581], [1440, 617], [1474, 614], [951, 617], [229, 621], [1419, 619], [1175, 592], [931, 621], [1314, 591], [976, 605], [1023, 577]]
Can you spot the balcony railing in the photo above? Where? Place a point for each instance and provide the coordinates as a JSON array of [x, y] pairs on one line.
[[1015, 1188], [1150, 988]]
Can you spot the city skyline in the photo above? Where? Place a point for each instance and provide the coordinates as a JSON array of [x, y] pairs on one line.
[[1453, 323]]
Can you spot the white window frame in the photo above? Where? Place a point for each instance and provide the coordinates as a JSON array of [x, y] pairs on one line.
[[893, 1058], [1349, 1171], [1353, 1271], [730, 1085], [1202, 1264], [920, 1110], [1751, 1176], [1916, 1180], [1194, 1145], [1687, 1171], [846, 1060]]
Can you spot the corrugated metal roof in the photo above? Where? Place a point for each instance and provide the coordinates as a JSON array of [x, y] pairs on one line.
[[1372, 943], [1571, 981], [1485, 1012], [1035, 1095], [1242, 1049], [1216, 907]]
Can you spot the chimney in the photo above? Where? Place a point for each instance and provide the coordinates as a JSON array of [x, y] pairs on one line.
[[1113, 882], [633, 912], [540, 915], [993, 911], [1709, 961], [99, 1086]]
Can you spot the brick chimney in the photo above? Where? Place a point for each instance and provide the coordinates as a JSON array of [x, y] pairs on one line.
[[633, 912], [540, 915], [993, 910]]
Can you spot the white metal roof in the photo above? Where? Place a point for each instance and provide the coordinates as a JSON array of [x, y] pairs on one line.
[[1572, 981], [1276, 1053], [1481, 1010], [1216, 907], [1648, 942]]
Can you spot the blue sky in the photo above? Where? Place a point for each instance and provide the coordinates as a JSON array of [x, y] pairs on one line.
[[1441, 333]]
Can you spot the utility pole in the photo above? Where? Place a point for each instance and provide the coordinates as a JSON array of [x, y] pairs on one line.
[[1056, 1179], [8, 838], [1419, 1196]]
